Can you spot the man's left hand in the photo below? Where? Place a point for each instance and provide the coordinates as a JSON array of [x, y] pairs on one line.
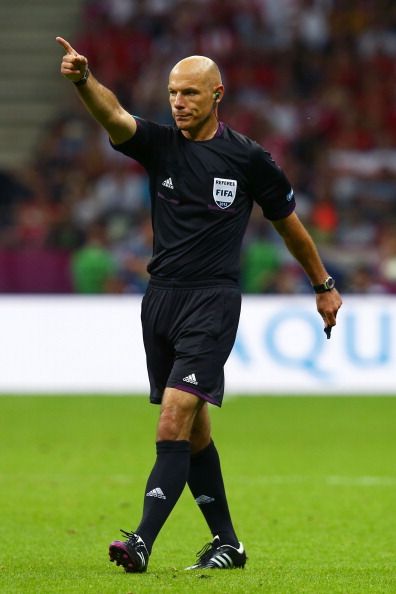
[[328, 304]]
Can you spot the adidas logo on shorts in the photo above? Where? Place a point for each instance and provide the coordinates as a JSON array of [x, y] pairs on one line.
[[168, 183], [190, 379]]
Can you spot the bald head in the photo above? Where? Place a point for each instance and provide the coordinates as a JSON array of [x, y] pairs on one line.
[[195, 90], [199, 67]]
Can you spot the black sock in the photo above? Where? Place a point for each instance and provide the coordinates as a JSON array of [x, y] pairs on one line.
[[164, 487], [206, 484]]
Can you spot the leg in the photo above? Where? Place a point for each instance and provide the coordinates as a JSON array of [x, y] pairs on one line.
[[178, 413], [170, 472], [166, 481], [206, 481], [201, 430]]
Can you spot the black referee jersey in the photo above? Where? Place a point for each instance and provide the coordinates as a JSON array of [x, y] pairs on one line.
[[202, 195]]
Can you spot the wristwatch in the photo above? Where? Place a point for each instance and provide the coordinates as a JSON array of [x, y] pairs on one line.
[[328, 284], [82, 81]]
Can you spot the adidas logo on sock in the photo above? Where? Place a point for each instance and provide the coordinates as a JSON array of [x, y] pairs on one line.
[[191, 379], [158, 493], [168, 183], [202, 499]]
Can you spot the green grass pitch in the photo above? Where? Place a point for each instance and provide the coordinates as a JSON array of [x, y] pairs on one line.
[[311, 485]]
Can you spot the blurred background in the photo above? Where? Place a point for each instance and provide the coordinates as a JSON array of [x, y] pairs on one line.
[[313, 81]]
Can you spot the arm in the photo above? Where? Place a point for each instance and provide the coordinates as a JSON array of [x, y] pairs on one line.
[[301, 246], [101, 103]]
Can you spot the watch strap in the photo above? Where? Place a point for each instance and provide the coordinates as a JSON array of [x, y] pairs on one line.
[[327, 285], [83, 79]]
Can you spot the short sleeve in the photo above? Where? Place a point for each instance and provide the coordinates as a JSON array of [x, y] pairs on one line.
[[144, 144], [269, 186]]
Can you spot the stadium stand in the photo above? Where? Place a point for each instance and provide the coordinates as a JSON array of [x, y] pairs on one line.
[[30, 92], [312, 80]]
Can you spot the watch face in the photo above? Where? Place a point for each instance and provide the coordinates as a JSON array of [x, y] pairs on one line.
[[329, 283]]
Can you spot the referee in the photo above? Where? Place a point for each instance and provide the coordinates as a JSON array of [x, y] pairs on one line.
[[203, 177]]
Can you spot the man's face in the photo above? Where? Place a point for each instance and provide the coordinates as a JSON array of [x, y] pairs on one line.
[[191, 100]]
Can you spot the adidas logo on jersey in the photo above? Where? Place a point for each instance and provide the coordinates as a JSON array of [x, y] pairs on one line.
[[191, 379], [202, 499], [168, 183], [158, 493]]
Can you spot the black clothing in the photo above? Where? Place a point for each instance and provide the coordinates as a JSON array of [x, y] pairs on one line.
[[188, 334], [202, 194], [201, 197], [207, 487], [164, 487]]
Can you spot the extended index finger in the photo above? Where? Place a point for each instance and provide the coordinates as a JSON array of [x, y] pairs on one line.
[[66, 46]]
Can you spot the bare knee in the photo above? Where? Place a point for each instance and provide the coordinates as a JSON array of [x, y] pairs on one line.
[[178, 411]]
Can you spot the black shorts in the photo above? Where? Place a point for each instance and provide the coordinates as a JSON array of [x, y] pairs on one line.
[[188, 334]]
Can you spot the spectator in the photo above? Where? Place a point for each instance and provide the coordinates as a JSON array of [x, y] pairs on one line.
[[317, 89], [93, 268]]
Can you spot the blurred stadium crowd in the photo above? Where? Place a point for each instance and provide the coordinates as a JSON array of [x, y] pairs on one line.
[[313, 81]]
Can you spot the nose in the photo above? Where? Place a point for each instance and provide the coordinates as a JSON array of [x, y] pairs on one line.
[[179, 101]]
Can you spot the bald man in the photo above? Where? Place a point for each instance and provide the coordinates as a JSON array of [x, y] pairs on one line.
[[204, 177]]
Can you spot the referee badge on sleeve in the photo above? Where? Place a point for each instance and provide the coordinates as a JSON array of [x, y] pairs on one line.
[[224, 191]]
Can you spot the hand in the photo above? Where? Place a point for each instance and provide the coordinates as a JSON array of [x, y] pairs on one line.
[[73, 64], [328, 304]]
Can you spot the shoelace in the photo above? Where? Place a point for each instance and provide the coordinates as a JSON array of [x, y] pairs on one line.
[[206, 552], [131, 537]]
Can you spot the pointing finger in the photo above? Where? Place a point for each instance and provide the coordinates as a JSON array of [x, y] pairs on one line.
[[66, 46]]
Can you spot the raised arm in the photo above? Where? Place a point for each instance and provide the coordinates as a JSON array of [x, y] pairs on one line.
[[101, 103], [302, 247]]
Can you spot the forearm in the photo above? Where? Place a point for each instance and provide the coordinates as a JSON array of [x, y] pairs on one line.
[[301, 246], [104, 106], [101, 103]]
